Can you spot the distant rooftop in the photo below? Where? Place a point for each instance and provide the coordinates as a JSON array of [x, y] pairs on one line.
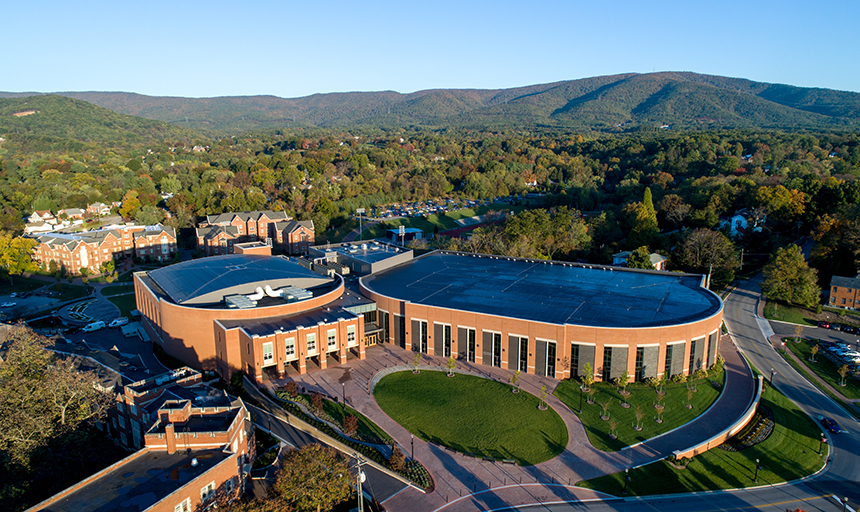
[[370, 251], [267, 326], [140, 482], [551, 292]]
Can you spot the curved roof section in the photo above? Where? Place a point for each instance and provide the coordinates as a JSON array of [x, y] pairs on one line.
[[208, 280], [551, 292]]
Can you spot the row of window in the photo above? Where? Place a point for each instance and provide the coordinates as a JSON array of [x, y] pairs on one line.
[[311, 343]]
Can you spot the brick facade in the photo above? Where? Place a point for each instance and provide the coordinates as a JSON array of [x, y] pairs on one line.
[[845, 292], [91, 249]]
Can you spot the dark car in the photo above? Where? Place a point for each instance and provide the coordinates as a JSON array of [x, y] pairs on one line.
[[831, 425]]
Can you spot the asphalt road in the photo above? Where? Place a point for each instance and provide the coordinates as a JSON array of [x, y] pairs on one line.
[[817, 493]]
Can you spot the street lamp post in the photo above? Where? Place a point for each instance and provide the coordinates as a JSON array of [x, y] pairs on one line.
[[772, 374], [626, 479], [783, 347], [580, 399], [343, 397], [820, 443], [413, 445], [844, 503], [755, 478]]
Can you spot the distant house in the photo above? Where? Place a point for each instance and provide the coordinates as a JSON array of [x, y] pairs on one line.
[[218, 233], [42, 216], [37, 227], [98, 209], [657, 261], [845, 292], [72, 213], [740, 222]]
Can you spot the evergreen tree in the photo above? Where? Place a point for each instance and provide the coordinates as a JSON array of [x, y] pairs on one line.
[[645, 230]]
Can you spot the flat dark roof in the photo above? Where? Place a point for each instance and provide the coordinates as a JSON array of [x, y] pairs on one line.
[[550, 292], [140, 483]]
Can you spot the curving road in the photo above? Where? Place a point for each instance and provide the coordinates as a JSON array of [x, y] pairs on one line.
[[818, 493]]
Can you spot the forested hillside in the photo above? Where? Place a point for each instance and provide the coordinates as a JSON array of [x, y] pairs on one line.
[[48, 122], [616, 104]]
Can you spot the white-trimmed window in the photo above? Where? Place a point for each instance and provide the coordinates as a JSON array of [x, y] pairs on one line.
[[185, 506], [268, 354], [290, 344], [312, 343], [350, 335], [207, 492], [332, 339]]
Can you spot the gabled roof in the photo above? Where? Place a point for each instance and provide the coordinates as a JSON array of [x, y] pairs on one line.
[[212, 232], [224, 219], [845, 282], [292, 225]]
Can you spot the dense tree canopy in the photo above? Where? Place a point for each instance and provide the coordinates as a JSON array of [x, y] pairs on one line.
[[788, 278], [314, 477]]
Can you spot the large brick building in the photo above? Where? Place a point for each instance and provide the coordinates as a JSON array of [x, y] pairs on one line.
[[548, 318], [218, 233], [251, 313], [541, 317], [91, 249], [191, 450]]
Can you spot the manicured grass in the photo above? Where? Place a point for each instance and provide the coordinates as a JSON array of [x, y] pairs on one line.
[[126, 277], [70, 291], [118, 290], [803, 370], [125, 303], [472, 415], [827, 370], [790, 452], [778, 311], [20, 284], [675, 413]]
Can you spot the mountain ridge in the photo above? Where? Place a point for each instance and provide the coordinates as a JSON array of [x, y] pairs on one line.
[[683, 100]]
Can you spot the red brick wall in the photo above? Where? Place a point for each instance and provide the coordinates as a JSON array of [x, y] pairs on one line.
[[189, 333], [563, 335]]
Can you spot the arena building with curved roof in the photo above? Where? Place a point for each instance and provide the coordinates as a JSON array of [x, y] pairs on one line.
[[546, 317], [253, 313]]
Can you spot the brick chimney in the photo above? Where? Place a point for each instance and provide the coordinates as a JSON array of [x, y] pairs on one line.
[[170, 435]]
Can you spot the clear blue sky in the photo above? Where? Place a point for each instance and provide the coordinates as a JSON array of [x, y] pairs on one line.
[[292, 49]]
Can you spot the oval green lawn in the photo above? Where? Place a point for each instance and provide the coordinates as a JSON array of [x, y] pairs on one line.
[[472, 415]]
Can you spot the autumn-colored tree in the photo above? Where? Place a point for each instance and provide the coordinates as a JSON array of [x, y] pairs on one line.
[[350, 425], [16, 255], [314, 477], [814, 350], [787, 277], [42, 395], [397, 459]]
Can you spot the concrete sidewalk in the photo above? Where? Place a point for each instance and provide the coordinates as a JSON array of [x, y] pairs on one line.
[[466, 483]]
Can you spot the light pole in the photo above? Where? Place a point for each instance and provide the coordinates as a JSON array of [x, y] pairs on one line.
[[343, 397], [359, 478], [772, 374], [413, 445], [626, 479], [580, 399], [783, 348], [844, 503], [755, 478], [820, 443]]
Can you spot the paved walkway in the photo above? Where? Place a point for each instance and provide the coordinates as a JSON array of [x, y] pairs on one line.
[[465, 483]]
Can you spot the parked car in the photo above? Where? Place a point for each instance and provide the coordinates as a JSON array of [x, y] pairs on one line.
[[118, 322], [831, 425], [13, 294], [8, 305], [824, 325]]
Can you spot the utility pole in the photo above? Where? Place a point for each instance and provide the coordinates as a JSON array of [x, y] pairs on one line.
[[359, 479]]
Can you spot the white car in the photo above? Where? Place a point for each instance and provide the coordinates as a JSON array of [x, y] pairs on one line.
[[118, 322], [8, 305]]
